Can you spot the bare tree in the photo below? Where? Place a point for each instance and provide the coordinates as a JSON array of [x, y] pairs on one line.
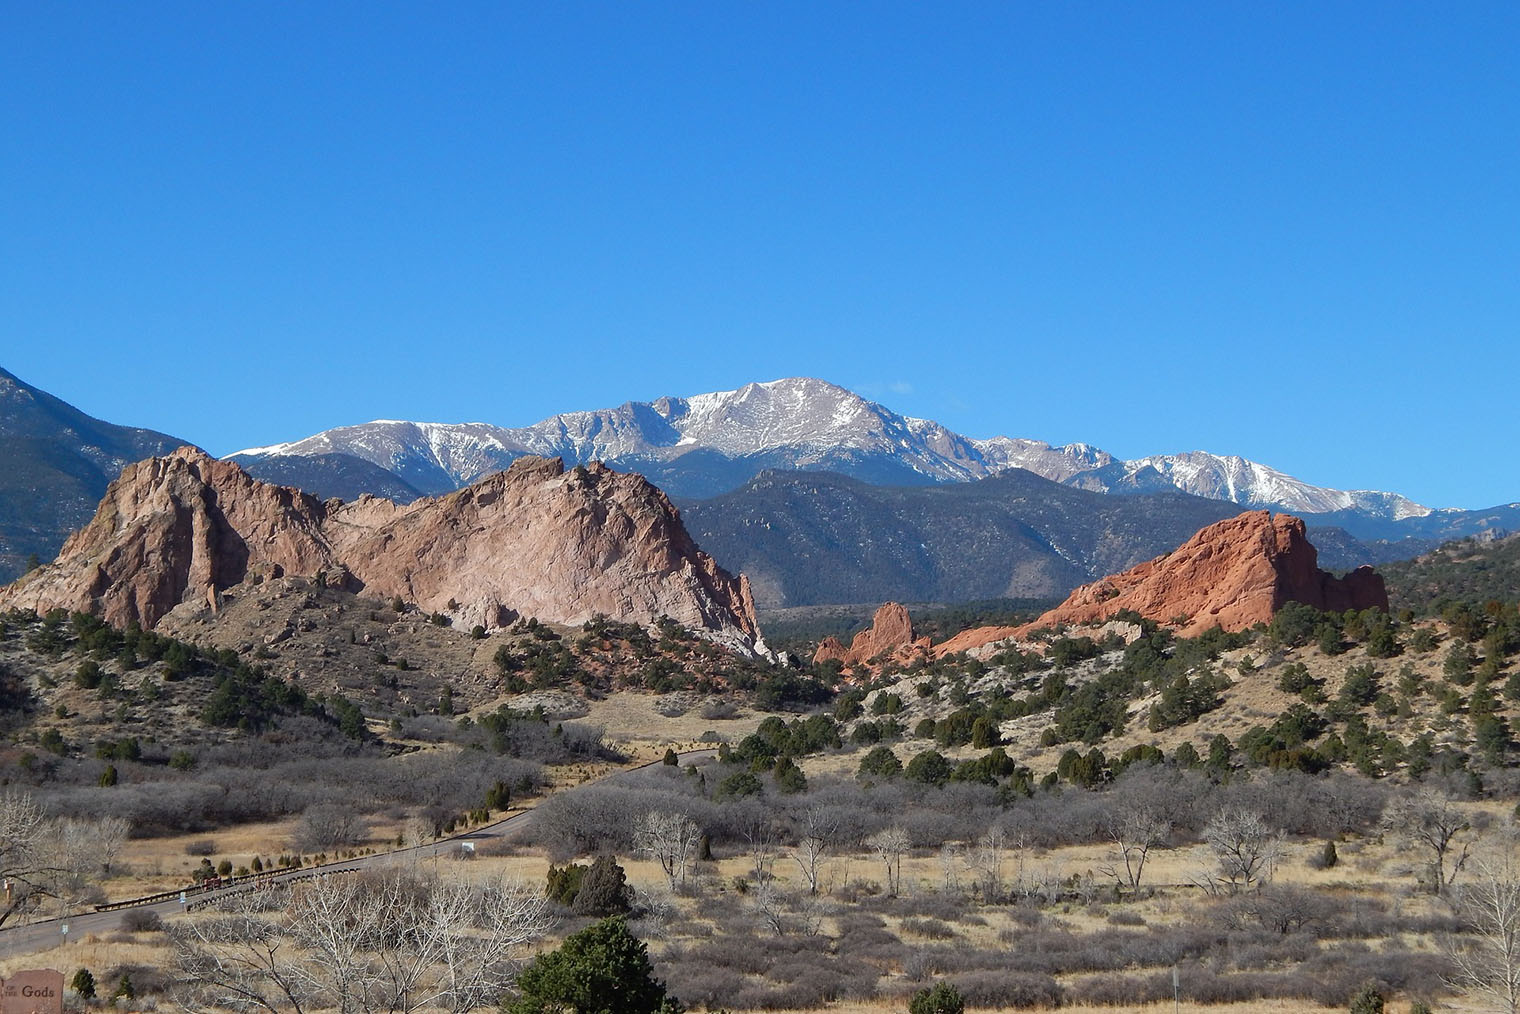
[[334, 918], [1133, 831], [451, 943], [109, 838], [1487, 958], [1435, 825], [761, 836], [41, 857], [817, 831], [951, 856], [889, 845], [399, 940], [770, 906], [73, 861], [671, 839], [238, 959], [986, 861], [1245, 845], [329, 826]]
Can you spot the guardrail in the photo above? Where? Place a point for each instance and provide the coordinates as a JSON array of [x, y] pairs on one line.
[[201, 887], [245, 887]]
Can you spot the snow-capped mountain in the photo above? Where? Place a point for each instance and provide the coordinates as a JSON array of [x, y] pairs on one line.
[[710, 443], [798, 423], [1233, 478]]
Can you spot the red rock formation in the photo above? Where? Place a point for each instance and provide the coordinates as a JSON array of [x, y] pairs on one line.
[[534, 540], [891, 634], [177, 528], [830, 649], [1232, 574]]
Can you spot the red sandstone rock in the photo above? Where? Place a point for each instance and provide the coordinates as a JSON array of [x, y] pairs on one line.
[[829, 649], [534, 540], [1233, 574], [891, 634]]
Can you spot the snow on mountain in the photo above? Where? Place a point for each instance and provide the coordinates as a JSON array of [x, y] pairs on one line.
[[1057, 463], [1249, 483], [805, 423]]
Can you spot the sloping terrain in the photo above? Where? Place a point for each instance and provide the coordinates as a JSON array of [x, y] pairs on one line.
[[805, 539], [535, 540], [55, 464], [1471, 571]]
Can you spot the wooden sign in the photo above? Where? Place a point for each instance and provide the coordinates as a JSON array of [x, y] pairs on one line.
[[35, 992]]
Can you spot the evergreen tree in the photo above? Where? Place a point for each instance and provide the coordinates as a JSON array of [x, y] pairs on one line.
[[941, 998], [603, 890], [603, 969]]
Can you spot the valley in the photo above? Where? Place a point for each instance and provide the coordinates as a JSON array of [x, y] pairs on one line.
[[976, 801], [1131, 737]]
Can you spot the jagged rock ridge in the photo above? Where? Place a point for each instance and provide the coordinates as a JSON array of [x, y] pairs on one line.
[[890, 634], [536, 540], [1233, 574]]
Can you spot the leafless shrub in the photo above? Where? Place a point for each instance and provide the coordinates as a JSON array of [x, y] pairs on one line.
[[1115, 990], [701, 986], [719, 709], [141, 920], [1204, 986], [200, 847], [1280, 909], [147, 981], [1008, 989], [736, 952], [327, 827], [929, 929]]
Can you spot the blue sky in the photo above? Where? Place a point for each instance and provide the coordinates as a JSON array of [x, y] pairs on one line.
[[1288, 231]]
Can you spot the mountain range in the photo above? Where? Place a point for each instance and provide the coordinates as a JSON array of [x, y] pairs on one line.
[[710, 444], [822, 495]]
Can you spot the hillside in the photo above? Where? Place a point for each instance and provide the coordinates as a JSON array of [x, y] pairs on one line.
[[1473, 571], [812, 539], [55, 464]]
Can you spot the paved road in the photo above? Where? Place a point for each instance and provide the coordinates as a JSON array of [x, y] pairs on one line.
[[39, 936]]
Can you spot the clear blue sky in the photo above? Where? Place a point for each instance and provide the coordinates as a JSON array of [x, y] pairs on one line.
[[1288, 231]]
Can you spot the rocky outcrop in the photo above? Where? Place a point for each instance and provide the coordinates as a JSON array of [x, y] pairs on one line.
[[535, 540], [1233, 574], [890, 635]]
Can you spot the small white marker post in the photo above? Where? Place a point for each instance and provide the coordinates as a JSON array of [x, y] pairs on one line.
[[64, 929], [1176, 990]]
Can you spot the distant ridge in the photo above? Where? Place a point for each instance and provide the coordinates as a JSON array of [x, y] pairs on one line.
[[707, 444], [55, 464]]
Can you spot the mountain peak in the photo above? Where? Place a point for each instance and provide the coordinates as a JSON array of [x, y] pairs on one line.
[[705, 444]]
